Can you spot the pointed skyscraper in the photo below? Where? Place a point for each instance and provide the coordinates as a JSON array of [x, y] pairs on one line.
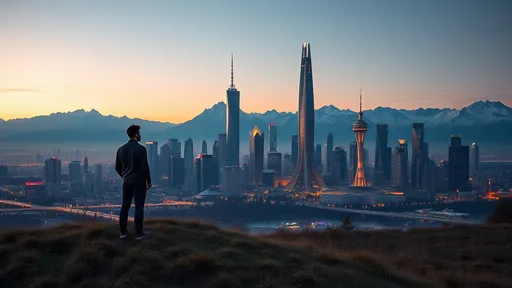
[[232, 123], [306, 175], [360, 127]]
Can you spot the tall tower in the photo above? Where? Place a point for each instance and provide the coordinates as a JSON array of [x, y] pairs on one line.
[[232, 123], [382, 156], [256, 143], [474, 159], [328, 155], [418, 156], [204, 147], [305, 172], [188, 155], [360, 127], [272, 129]]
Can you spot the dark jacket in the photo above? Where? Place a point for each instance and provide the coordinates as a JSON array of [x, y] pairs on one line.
[[132, 163]]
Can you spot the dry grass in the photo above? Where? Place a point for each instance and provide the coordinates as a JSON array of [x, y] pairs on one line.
[[477, 256], [181, 254]]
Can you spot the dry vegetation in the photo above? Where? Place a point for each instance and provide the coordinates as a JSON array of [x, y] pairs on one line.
[[188, 254], [476, 256]]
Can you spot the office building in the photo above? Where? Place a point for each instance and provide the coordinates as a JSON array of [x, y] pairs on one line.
[[272, 129], [400, 165], [295, 150], [328, 156], [231, 181], [171, 148], [222, 150], [352, 161], [339, 161], [275, 163], [232, 122], [98, 178], [474, 159], [458, 162], [204, 147], [256, 143], [75, 171], [418, 161], [306, 177], [52, 175], [152, 151], [176, 172], [382, 171], [206, 172], [188, 158]]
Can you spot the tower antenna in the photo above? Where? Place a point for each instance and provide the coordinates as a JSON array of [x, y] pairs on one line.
[[232, 77], [361, 100]]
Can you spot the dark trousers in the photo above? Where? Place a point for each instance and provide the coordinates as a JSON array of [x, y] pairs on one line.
[[138, 193]]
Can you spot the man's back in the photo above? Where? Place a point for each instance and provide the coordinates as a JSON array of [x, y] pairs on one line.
[[132, 163]]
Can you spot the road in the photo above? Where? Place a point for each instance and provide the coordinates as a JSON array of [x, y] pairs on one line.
[[391, 214]]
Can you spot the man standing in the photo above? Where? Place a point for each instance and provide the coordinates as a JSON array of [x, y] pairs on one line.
[[132, 166]]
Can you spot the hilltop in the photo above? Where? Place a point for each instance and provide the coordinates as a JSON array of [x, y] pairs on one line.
[[189, 254]]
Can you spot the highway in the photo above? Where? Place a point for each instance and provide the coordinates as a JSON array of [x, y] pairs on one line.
[[390, 214]]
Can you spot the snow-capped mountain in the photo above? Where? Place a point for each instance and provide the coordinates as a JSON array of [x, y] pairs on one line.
[[477, 122]]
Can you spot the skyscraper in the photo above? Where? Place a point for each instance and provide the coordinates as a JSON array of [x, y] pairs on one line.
[[295, 149], [318, 157], [382, 155], [418, 156], [352, 161], [474, 159], [75, 172], [272, 129], [52, 175], [360, 127], [98, 178], [188, 156], [256, 142], [176, 172], [400, 165], [86, 164], [275, 162], [328, 155], [171, 148], [205, 172], [232, 122], [306, 174], [152, 149], [339, 165], [458, 163], [204, 147]]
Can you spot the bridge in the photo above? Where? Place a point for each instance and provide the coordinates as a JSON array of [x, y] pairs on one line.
[[392, 214], [82, 210]]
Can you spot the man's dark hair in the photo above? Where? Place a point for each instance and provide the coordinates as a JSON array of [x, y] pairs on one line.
[[132, 130]]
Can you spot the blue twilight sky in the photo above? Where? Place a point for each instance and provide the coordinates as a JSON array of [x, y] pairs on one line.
[[168, 60]]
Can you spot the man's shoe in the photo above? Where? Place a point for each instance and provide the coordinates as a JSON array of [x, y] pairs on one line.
[[123, 236], [143, 235]]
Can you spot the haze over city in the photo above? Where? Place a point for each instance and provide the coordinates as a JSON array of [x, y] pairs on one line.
[[168, 60]]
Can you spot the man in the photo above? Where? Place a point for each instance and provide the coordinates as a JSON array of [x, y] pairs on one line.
[[132, 166]]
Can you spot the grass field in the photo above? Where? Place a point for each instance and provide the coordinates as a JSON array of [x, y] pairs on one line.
[[188, 254]]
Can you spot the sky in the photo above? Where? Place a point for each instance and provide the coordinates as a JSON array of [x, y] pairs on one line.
[[169, 60]]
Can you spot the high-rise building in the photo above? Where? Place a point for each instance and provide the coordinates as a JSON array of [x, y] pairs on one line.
[[215, 150], [206, 173], [232, 122], [318, 157], [171, 148], [52, 175], [86, 164], [295, 149], [231, 181], [458, 162], [328, 155], [275, 163], [176, 172], [256, 143], [382, 169], [474, 159], [418, 156], [188, 156], [75, 172], [152, 150], [306, 174], [400, 165], [272, 129], [340, 169], [352, 161], [222, 150], [204, 147], [98, 178], [360, 127]]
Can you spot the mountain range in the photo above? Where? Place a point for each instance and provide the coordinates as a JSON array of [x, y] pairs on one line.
[[482, 121]]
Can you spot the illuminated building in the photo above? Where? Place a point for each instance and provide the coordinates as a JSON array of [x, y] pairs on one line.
[[418, 162], [400, 165], [382, 172], [339, 162], [474, 159], [34, 190], [204, 147], [232, 122], [256, 143], [295, 149], [98, 178], [52, 175], [152, 151], [205, 172], [458, 165], [360, 127], [188, 156], [328, 156], [272, 129], [306, 174]]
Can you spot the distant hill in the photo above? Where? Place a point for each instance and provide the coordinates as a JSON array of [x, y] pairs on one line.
[[478, 122]]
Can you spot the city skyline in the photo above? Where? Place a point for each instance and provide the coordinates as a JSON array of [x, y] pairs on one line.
[[56, 63]]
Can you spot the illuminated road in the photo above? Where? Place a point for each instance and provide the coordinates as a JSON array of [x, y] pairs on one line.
[[391, 214]]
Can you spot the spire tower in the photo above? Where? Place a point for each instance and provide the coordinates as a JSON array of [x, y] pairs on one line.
[[360, 127], [232, 86]]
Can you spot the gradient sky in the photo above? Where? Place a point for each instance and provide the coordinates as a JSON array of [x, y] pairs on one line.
[[168, 60]]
